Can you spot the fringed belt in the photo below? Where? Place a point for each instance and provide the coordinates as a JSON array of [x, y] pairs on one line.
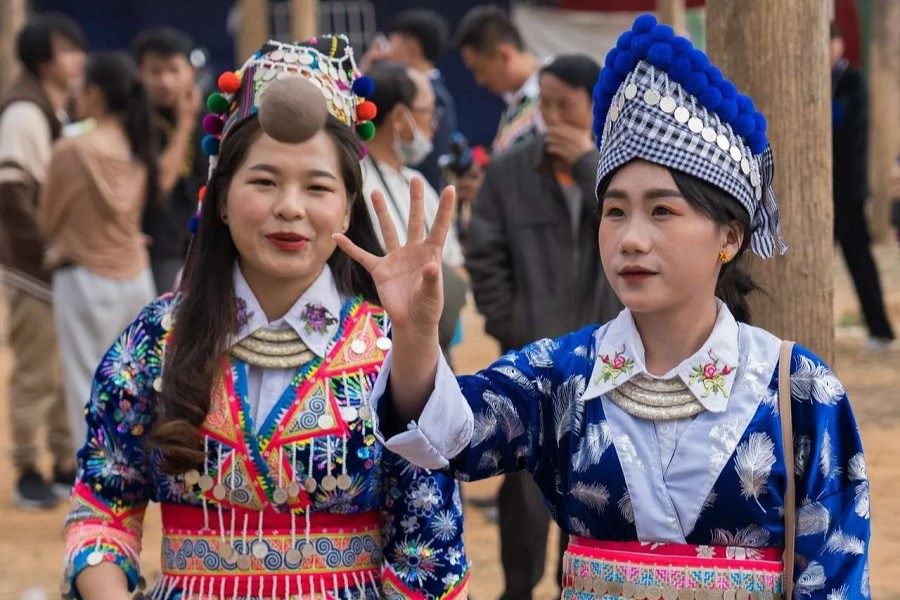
[[611, 570], [250, 554]]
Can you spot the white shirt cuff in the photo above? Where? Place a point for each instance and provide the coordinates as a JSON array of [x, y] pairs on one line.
[[444, 428]]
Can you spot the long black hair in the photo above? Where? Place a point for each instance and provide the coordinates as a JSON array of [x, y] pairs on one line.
[[735, 283], [207, 313], [117, 78]]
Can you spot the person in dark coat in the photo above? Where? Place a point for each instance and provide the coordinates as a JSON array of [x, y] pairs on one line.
[[850, 122], [535, 269]]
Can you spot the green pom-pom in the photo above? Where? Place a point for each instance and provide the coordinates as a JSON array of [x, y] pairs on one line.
[[217, 103], [366, 130]]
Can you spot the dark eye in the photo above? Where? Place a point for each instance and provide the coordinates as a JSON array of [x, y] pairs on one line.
[[613, 211], [320, 188], [264, 181], [661, 211]]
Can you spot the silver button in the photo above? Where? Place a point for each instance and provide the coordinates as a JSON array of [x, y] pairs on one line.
[[668, 104], [682, 115], [745, 166], [630, 91], [695, 125], [735, 152], [652, 97], [722, 142], [708, 134]]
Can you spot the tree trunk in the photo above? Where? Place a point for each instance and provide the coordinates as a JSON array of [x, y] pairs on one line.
[[254, 29], [884, 110], [777, 52], [304, 19], [672, 13], [12, 18]]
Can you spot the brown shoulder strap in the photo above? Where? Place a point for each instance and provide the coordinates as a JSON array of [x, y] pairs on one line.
[[787, 436]]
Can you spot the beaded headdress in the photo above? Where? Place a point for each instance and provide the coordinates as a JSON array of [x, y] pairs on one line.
[[292, 88], [661, 100]]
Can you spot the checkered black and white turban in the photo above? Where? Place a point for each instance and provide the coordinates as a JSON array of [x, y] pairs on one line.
[[659, 99]]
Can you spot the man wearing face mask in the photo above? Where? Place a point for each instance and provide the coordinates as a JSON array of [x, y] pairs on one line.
[[404, 125]]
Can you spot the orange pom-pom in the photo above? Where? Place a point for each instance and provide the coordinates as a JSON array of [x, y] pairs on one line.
[[229, 82], [366, 111]]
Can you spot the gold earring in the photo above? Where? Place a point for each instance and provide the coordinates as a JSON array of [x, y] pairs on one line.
[[724, 257]]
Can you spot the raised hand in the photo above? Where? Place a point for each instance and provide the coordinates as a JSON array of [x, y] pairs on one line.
[[408, 277]]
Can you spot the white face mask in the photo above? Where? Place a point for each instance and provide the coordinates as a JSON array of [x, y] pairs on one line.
[[414, 151]]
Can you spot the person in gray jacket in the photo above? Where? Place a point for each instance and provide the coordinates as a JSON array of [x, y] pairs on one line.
[[535, 269]]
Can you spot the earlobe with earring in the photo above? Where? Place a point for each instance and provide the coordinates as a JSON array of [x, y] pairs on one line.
[[724, 256]]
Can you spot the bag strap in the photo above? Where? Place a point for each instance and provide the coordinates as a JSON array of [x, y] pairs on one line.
[[787, 436]]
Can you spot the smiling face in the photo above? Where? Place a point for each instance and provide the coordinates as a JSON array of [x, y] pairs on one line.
[[283, 205], [659, 252]]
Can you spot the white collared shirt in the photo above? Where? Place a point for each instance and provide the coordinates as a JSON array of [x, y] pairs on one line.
[[709, 373], [719, 353], [322, 298]]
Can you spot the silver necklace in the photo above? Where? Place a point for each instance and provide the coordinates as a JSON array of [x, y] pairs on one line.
[[656, 399]]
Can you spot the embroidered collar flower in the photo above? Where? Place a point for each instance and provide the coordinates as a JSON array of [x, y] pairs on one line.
[[243, 313], [615, 366], [316, 318], [709, 373], [711, 376]]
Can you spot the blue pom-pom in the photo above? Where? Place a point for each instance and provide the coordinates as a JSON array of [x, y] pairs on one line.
[[745, 104], [714, 75], [698, 60], [728, 90], [644, 23], [680, 69], [364, 86], [624, 41], [662, 33], [760, 119], [757, 142], [681, 44], [610, 59], [727, 110], [640, 44], [696, 83], [210, 145], [711, 97], [660, 55], [194, 224], [624, 64], [744, 125]]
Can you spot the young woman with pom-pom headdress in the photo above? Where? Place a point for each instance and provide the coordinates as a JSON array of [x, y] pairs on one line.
[[689, 454], [239, 402]]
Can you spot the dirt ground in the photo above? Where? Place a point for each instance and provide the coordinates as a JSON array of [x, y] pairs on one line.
[[31, 545]]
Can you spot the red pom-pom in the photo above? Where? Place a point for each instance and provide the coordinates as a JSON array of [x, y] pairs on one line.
[[201, 194], [229, 82], [366, 111]]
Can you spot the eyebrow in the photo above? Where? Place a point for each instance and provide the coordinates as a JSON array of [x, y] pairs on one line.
[[651, 194], [275, 170]]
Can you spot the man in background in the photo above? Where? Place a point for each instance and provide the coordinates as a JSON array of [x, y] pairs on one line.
[[163, 55], [535, 269], [850, 126], [51, 50], [493, 50], [417, 38]]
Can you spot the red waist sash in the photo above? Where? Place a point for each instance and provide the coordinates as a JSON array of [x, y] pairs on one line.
[[268, 554], [646, 571]]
